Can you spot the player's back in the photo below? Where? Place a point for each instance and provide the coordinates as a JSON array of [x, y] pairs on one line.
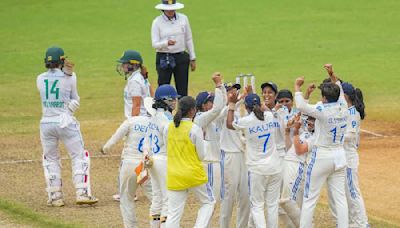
[[262, 155], [154, 137], [135, 138], [330, 125], [56, 90]]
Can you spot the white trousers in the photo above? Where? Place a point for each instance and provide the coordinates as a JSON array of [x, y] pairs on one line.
[[158, 173], [234, 188], [177, 201], [292, 189], [320, 171], [127, 189], [357, 213], [50, 135], [213, 171], [264, 189]]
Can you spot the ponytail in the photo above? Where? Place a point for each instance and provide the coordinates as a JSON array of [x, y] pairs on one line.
[[358, 102], [184, 106], [258, 112], [178, 118]]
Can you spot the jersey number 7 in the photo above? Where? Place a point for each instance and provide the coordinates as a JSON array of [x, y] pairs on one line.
[[266, 136]]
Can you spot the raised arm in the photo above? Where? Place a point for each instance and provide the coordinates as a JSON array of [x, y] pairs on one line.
[[301, 103], [207, 117]]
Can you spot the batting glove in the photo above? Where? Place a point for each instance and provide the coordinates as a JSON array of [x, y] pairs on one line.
[[73, 105]]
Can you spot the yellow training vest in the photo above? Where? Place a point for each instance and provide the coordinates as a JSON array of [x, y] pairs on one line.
[[184, 169]]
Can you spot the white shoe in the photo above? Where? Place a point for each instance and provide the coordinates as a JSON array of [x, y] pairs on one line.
[[136, 198], [55, 202], [116, 197], [86, 199]]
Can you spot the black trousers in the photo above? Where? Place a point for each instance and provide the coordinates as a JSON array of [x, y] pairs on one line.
[[180, 71]]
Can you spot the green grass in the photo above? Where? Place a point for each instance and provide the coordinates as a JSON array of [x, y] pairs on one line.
[[275, 40], [24, 215]]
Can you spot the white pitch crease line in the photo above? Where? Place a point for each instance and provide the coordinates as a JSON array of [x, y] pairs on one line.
[[372, 133], [63, 158]]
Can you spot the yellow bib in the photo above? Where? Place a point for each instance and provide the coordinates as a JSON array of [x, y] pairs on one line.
[[184, 169]]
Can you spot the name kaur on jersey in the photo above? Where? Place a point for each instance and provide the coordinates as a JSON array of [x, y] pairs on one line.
[[264, 127]]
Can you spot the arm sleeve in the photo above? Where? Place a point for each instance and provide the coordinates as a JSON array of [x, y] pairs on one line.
[[207, 117], [156, 41], [165, 135], [238, 125], [74, 89], [302, 106], [118, 135], [341, 99], [196, 136], [189, 40]]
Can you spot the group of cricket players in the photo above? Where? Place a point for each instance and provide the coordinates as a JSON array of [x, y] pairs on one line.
[[268, 154]]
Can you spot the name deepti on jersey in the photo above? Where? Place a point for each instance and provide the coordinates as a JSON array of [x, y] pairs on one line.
[[144, 128], [264, 127]]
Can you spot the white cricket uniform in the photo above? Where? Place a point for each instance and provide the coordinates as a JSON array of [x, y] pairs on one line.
[[58, 123], [136, 86], [294, 167], [357, 213], [134, 130], [207, 121], [158, 151], [204, 193], [327, 160], [263, 163], [282, 115], [234, 175]]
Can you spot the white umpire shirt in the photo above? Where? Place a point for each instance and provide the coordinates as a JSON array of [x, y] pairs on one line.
[[178, 29]]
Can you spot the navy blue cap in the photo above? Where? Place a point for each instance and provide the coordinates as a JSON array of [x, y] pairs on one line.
[[166, 91], [272, 85], [284, 93], [231, 85], [348, 88], [252, 99], [203, 97]]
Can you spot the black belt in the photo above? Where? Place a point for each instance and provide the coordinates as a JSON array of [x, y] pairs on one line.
[[167, 53]]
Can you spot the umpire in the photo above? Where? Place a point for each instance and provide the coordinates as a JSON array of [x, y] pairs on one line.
[[171, 36]]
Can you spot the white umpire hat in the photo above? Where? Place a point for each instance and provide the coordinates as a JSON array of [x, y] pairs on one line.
[[169, 5]]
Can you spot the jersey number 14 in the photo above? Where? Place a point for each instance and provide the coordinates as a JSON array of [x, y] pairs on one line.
[[53, 90]]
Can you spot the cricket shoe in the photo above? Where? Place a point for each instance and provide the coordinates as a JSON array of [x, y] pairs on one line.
[[86, 199], [55, 202], [116, 197]]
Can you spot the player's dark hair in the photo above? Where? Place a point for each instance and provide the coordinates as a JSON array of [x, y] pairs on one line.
[[358, 101], [257, 111], [185, 104], [330, 91], [161, 104], [52, 65]]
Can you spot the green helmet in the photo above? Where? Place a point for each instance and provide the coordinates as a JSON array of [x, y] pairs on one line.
[[54, 54], [132, 57]]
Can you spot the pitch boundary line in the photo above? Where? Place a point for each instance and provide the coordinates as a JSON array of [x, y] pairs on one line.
[[372, 133], [39, 160]]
